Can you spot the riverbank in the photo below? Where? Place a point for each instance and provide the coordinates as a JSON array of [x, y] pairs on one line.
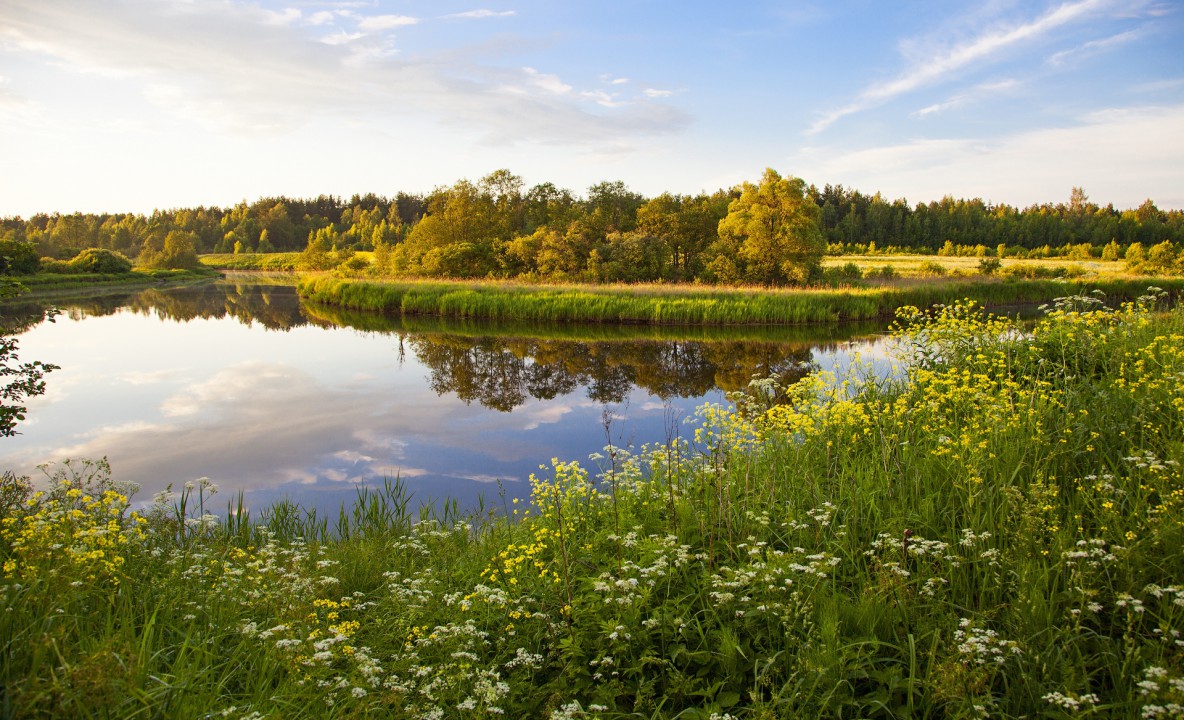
[[997, 530], [691, 305], [50, 285]]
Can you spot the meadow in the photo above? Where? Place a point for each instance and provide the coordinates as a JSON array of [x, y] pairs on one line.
[[928, 266], [995, 529]]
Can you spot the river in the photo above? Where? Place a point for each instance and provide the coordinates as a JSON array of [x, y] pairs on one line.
[[240, 382]]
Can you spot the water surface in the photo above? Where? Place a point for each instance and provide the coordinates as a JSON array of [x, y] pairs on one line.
[[240, 382]]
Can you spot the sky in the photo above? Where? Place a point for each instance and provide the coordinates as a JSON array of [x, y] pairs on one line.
[[134, 105]]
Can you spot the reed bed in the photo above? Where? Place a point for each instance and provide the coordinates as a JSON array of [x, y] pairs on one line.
[[996, 529], [682, 305]]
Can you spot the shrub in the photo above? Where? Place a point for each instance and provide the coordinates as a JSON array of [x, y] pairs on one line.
[[931, 269], [101, 261], [886, 272], [356, 263], [53, 266], [18, 258], [988, 265]]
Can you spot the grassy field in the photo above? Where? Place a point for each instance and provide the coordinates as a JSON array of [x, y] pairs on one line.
[[908, 266], [996, 530]]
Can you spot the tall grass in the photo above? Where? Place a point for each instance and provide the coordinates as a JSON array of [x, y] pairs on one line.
[[997, 529], [681, 305], [268, 262]]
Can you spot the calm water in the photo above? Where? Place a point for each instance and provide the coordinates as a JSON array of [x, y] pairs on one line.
[[239, 382]]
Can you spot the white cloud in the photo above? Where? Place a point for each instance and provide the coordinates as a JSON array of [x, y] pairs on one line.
[[602, 98], [1121, 155], [940, 65], [477, 14], [231, 68], [550, 83], [342, 37], [1095, 46], [287, 16], [975, 94], [323, 17], [386, 22], [654, 93]]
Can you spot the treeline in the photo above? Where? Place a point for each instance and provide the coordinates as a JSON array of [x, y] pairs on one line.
[[855, 222], [496, 227]]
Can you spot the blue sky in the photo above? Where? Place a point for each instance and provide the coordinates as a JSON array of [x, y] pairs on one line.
[[131, 105]]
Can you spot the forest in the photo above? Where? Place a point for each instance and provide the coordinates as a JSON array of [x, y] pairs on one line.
[[498, 228]]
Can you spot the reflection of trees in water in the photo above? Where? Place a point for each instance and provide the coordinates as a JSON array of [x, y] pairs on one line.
[[273, 307], [497, 366], [501, 373]]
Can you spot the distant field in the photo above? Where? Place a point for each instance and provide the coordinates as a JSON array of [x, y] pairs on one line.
[[911, 265]]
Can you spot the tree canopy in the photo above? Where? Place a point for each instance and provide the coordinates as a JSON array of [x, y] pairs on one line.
[[772, 232]]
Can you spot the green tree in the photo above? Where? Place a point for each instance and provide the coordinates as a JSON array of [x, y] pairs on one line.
[[317, 254], [178, 252], [774, 231]]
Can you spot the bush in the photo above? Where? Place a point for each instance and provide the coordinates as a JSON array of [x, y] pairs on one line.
[[18, 258], [101, 262], [1033, 271], [886, 272], [53, 266], [356, 263], [988, 265], [844, 274], [931, 269]]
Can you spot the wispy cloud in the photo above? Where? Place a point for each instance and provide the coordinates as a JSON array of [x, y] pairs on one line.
[[1095, 46], [478, 14], [979, 50], [974, 95], [549, 83], [235, 67], [386, 22], [1130, 152]]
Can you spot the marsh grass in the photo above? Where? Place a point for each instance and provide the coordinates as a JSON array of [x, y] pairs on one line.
[[683, 305], [995, 529]]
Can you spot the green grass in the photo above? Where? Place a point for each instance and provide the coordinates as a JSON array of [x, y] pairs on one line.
[[912, 265], [997, 529], [272, 262], [683, 305], [50, 284]]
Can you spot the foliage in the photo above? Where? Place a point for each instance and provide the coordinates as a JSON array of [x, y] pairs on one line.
[[100, 261], [177, 252], [676, 305], [770, 235], [18, 258], [276, 262], [995, 528]]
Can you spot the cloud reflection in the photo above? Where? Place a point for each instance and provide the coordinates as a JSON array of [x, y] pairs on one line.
[[312, 412]]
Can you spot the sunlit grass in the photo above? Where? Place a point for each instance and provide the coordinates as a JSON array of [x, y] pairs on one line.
[[914, 265], [682, 304], [994, 529]]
